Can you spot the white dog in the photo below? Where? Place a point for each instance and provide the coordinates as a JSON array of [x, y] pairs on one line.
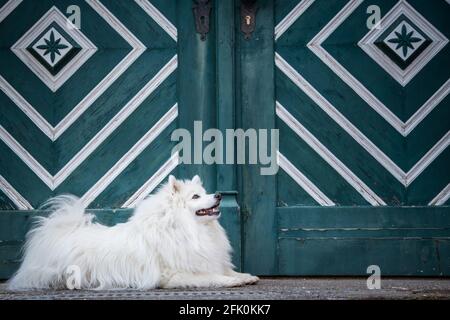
[[173, 240]]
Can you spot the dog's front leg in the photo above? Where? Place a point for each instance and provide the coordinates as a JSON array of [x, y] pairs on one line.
[[189, 280], [246, 277]]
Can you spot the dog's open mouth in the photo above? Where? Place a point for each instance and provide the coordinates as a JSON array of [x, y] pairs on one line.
[[213, 211]]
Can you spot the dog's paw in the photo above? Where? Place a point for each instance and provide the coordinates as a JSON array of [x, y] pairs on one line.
[[233, 282], [249, 279]]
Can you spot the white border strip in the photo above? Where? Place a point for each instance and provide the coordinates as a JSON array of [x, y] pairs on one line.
[[291, 17], [428, 158], [26, 108], [159, 18], [427, 107], [26, 157], [303, 181], [128, 157], [153, 182], [8, 8], [328, 156], [14, 195], [442, 197]]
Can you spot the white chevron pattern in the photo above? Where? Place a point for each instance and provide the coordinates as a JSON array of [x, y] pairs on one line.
[[153, 182], [406, 178], [55, 132], [404, 128], [14, 195], [159, 18], [328, 156], [54, 181], [303, 181], [127, 158]]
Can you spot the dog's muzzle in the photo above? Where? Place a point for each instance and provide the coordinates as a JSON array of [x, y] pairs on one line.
[[213, 211]]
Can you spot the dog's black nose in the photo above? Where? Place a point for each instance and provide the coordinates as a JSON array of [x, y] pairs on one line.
[[218, 196]]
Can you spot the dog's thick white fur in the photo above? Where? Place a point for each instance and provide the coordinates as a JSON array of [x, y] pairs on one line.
[[168, 242]]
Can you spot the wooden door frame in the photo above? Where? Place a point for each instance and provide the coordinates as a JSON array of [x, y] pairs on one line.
[[256, 109], [206, 92]]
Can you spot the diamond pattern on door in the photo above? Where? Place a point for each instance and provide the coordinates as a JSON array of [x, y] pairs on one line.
[[54, 49], [327, 110], [404, 44], [100, 81]]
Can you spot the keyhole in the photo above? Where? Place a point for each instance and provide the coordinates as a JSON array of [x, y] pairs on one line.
[[248, 20]]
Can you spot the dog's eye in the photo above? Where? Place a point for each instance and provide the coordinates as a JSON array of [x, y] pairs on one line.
[[195, 196]]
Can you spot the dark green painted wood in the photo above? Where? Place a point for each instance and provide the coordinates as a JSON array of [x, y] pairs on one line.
[[226, 119], [256, 107], [323, 175], [351, 257], [346, 240], [196, 84]]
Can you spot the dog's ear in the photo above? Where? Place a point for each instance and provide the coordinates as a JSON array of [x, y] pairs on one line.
[[173, 184], [197, 179]]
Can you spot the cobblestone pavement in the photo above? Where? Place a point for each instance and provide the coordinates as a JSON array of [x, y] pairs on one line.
[[267, 288]]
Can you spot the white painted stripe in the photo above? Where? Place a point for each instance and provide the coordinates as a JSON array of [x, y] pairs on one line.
[[8, 8], [127, 158], [153, 182], [116, 121], [427, 107], [26, 108], [328, 156], [404, 128], [26, 157], [442, 197], [340, 119], [14, 195], [158, 17], [291, 17], [303, 181], [428, 158]]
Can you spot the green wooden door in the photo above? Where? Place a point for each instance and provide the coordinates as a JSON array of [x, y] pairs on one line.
[[363, 115], [363, 156], [89, 109]]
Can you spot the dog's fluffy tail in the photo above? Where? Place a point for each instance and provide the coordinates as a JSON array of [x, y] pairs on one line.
[[67, 213]]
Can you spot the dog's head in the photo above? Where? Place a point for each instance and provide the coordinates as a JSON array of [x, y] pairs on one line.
[[191, 195]]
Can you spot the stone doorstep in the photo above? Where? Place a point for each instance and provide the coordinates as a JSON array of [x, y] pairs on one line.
[[285, 288]]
